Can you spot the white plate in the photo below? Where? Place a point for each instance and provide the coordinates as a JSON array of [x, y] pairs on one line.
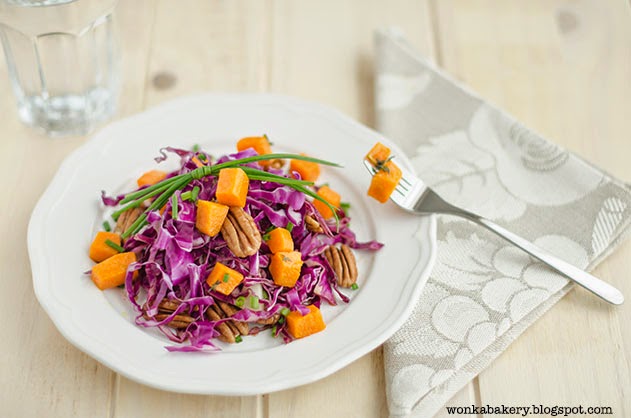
[[101, 324]]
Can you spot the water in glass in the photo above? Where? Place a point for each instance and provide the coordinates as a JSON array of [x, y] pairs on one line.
[[62, 59]]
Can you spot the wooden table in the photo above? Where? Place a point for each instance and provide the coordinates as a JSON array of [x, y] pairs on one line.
[[562, 67]]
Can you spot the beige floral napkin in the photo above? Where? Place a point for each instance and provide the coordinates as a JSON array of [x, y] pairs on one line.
[[482, 293]]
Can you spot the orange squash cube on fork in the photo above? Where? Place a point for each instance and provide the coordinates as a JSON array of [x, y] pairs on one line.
[[384, 182]]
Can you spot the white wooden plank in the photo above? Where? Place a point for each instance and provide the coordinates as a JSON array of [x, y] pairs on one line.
[[42, 374]]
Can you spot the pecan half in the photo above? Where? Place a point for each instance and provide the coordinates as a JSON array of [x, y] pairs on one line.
[[229, 330], [227, 335], [230, 310], [178, 322], [241, 233], [313, 225], [126, 219], [168, 306], [269, 321], [343, 263], [277, 163]]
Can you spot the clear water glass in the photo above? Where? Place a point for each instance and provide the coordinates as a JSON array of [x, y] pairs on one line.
[[63, 62]]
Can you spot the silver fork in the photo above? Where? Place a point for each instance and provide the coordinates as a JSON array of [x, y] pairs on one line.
[[412, 195]]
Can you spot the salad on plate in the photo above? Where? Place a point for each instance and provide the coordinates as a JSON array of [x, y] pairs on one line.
[[229, 246]]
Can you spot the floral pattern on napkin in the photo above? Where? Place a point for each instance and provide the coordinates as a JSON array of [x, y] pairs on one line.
[[483, 292]]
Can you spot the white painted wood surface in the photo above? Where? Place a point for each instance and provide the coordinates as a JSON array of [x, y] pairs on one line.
[[562, 67]]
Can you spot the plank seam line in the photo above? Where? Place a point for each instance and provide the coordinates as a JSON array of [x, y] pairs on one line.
[[434, 21], [148, 60], [114, 394]]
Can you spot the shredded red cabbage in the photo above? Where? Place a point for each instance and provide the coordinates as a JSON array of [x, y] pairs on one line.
[[174, 260]]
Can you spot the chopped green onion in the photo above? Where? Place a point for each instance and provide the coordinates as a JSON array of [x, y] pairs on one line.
[[254, 302], [281, 320], [290, 226], [226, 278], [196, 148], [106, 226], [239, 302], [174, 206], [115, 246], [266, 234], [284, 311], [202, 157], [265, 294], [345, 206], [354, 286], [274, 328], [238, 339], [186, 195], [195, 193]]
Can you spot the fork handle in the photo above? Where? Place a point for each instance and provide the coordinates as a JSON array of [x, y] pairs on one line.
[[589, 282]]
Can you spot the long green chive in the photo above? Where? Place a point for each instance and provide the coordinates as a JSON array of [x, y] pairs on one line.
[[238, 339], [290, 226], [239, 302], [226, 278], [254, 302], [115, 246], [106, 226], [144, 193], [280, 156], [141, 199], [166, 188], [354, 286], [174, 206], [318, 197], [284, 311], [158, 203], [256, 174]]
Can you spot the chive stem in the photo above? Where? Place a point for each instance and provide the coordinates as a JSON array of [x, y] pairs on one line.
[[114, 245], [106, 226], [174, 206]]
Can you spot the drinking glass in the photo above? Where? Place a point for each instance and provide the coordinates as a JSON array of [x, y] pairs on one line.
[[63, 62]]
